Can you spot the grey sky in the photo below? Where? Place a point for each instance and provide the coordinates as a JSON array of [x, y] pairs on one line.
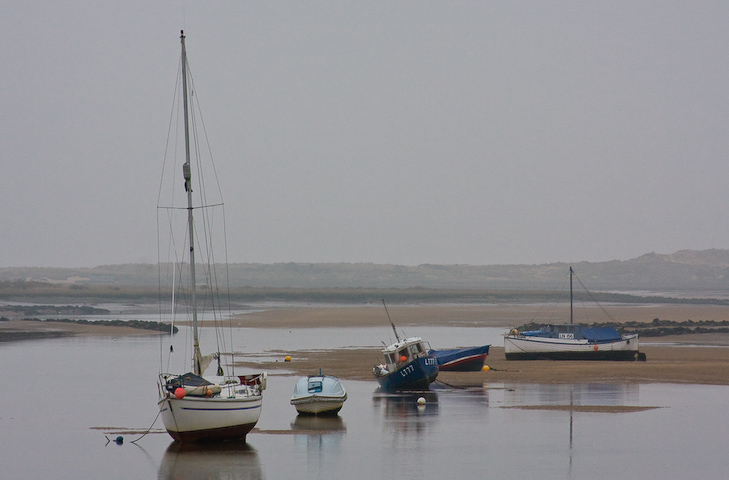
[[402, 132]]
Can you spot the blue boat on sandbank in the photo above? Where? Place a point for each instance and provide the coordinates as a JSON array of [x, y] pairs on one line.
[[408, 366], [468, 359]]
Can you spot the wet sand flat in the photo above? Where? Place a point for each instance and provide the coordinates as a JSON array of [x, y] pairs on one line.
[[665, 364], [13, 330], [461, 315], [699, 359]]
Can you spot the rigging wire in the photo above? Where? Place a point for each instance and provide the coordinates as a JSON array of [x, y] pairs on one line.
[[208, 223], [211, 302], [594, 299], [552, 297]]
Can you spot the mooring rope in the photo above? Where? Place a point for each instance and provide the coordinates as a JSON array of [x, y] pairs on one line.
[[149, 429]]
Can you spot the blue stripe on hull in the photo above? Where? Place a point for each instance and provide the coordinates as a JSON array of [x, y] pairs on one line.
[[219, 409]]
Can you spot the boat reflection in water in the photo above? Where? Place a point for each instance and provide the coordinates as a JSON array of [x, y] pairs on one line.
[[317, 425], [581, 394], [405, 413], [567, 399], [221, 460], [318, 433]]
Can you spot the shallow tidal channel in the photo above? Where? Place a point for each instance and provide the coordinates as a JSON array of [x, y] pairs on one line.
[[64, 397]]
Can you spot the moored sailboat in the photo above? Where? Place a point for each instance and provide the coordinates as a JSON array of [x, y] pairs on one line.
[[570, 341], [192, 407]]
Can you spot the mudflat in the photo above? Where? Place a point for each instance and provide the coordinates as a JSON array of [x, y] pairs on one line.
[[665, 364], [473, 315], [15, 330], [698, 359]]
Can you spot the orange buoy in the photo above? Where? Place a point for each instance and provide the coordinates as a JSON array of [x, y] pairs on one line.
[[287, 359], [208, 393], [403, 358], [180, 393], [486, 368]]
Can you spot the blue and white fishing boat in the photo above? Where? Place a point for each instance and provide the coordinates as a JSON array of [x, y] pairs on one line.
[[570, 342], [318, 395], [468, 359], [408, 365]]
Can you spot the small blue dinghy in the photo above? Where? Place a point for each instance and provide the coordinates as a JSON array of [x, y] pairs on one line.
[[318, 395]]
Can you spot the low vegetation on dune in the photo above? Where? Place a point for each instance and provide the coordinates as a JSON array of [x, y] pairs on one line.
[[55, 294]]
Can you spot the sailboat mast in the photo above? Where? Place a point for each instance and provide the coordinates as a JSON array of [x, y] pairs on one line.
[[186, 172], [571, 310]]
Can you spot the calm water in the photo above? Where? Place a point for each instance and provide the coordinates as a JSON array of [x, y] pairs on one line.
[[63, 396]]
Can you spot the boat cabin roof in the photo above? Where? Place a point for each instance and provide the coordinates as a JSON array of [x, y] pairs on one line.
[[403, 343], [405, 351]]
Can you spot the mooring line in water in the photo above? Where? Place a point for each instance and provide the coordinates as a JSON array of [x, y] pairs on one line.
[[149, 429], [450, 385]]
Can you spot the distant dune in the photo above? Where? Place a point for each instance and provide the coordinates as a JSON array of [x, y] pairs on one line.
[[690, 272]]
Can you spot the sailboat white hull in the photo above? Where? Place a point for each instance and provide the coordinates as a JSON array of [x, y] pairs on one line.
[[223, 417], [519, 347]]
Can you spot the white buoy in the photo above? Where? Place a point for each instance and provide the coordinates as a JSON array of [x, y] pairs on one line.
[[421, 401]]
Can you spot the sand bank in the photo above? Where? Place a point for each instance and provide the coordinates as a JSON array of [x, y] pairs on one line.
[[700, 359], [13, 330], [475, 315], [665, 364]]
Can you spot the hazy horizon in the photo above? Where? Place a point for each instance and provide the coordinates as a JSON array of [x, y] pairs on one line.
[[684, 259], [405, 133]]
